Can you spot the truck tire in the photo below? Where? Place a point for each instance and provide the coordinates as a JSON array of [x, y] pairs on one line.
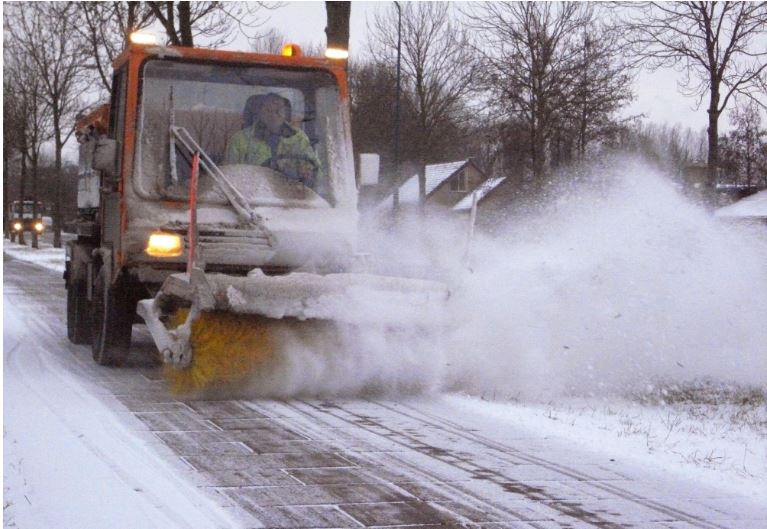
[[111, 321], [78, 315]]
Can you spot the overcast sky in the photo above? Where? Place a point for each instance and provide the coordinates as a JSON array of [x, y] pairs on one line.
[[657, 95]]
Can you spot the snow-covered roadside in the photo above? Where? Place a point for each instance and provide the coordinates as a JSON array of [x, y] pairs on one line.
[[71, 461], [722, 445], [46, 256]]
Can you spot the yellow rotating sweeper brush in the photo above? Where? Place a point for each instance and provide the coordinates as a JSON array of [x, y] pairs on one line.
[[235, 325], [226, 348]]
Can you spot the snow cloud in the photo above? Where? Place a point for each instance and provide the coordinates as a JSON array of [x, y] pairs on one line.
[[614, 288], [619, 284]]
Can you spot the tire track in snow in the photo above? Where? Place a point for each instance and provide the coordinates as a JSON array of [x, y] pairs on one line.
[[503, 450], [569, 509]]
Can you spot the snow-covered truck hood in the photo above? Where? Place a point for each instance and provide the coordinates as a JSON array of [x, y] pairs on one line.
[[301, 235]]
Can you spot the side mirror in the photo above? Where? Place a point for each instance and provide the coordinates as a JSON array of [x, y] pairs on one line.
[[369, 166], [105, 155]]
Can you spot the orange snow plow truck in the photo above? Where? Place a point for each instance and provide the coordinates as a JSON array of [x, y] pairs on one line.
[[218, 206]]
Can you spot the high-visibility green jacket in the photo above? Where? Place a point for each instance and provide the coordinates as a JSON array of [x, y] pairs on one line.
[[254, 146]]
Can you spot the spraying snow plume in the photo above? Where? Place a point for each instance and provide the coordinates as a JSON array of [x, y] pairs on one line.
[[621, 283], [613, 290]]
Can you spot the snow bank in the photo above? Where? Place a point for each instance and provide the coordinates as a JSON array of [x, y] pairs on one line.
[[46, 256]]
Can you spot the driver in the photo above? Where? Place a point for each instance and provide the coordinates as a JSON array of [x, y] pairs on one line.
[[269, 140]]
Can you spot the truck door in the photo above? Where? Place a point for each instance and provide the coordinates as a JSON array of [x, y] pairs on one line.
[[110, 184]]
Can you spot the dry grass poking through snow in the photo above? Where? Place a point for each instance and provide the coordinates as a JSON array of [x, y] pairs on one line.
[[707, 412], [706, 425], [707, 430]]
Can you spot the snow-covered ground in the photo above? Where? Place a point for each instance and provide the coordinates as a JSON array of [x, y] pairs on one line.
[[46, 256], [68, 459], [711, 433], [721, 443]]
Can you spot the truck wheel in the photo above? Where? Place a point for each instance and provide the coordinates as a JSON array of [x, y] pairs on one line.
[[78, 316], [111, 322]]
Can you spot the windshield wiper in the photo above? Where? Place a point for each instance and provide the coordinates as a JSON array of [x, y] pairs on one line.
[[233, 195]]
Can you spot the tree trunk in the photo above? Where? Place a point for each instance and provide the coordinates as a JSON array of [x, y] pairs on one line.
[[185, 23], [538, 138], [582, 136], [35, 241], [750, 150], [713, 135], [22, 191], [57, 185], [337, 29], [6, 193], [422, 185], [538, 155]]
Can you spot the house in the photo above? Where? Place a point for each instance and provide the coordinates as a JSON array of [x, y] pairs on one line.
[[481, 192], [447, 184]]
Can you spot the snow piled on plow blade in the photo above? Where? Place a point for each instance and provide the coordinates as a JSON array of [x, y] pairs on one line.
[[349, 298], [311, 335]]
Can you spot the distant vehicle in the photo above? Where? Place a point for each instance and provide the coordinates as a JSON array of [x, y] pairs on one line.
[[23, 217]]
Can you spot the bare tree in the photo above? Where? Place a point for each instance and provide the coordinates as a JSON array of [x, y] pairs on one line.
[[13, 137], [273, 40], [530, 61], [218, 22], [270, 42], [33, 121], [603, 84], [744, 150], [436, 72], [106, 27], [46, 37], [713, 43], [372, 93], [12, 124]]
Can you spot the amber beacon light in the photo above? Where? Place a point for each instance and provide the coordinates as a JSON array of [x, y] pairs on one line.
[[291, 50]]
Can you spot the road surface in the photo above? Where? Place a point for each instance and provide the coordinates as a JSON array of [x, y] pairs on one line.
[[353, 463]]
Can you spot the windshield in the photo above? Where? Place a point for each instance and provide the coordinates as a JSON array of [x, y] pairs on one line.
[[270, 130], [27, 208]]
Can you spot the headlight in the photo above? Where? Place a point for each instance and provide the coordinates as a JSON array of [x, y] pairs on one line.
[[17, 226], [162, 244], [39, 227]]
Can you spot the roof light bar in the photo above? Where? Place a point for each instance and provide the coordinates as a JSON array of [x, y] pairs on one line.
[[138, 37], [337, 53]]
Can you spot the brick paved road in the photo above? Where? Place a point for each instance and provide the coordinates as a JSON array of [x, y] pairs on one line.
[[355, 463]]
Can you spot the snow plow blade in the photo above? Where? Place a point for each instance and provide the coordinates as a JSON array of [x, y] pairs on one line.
[[215, 329]]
